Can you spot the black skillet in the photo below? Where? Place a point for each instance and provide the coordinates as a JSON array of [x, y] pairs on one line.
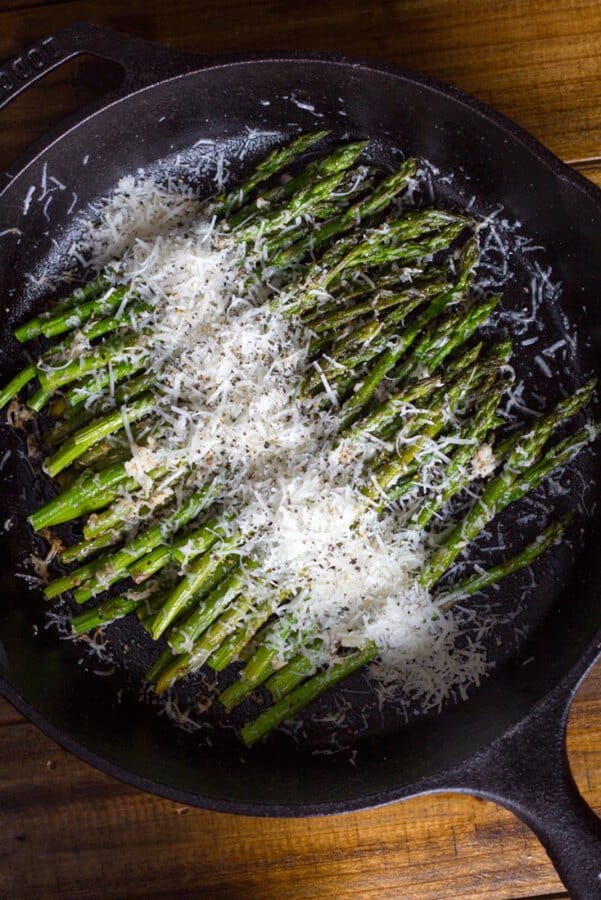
[[507, 742]]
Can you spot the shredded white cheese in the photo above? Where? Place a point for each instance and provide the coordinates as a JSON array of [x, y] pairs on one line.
[[484, 462], [229, 369], [219, 392]]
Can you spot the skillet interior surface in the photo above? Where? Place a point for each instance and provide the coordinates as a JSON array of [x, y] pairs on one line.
[[254, 106]]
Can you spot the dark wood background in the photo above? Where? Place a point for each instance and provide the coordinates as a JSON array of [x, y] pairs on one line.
[[68, 831]]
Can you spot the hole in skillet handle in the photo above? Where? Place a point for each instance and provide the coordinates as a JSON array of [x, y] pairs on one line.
[[117, 65], [77, 83], [528, 772]]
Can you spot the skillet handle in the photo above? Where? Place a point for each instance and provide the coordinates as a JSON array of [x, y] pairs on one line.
[[143, 62], [528, 772]]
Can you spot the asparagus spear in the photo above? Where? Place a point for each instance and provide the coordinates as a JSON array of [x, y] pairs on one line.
[[292, 674], [216, 632], [111, 375], [115, 567], [474, 583], [73, 318], [91, 491], [265, 660], [115, 349], [68, 347], [388, 411], [85, 437], [425, 427], [304, 203], [505, 488], [355, 405], [123, 511], [366, 208], [442, 339], [233, 646], [16, 384], [456, 475], [135, 507], [323, 278], [218, 570], [276, 162], [336, 161], [386, 244], [109, 611], [213, 579], [81, 551], [198, 572], [76, 416], [90, 291], [364, 287], [159, 666], [381, 301], [294, 702], [287, 194], [342, 359]]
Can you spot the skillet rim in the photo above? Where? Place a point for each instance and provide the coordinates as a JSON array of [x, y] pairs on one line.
[[194, 64]]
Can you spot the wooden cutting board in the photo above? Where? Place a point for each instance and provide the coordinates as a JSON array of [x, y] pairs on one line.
[[67, 831]]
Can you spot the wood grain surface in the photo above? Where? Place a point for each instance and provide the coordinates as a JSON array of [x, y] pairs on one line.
[[66, 830]]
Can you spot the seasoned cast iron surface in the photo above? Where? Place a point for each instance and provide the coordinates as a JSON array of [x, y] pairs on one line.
[[552, 624]]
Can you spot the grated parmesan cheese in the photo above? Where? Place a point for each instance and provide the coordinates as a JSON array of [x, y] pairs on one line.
[[427, 655], [229, 370], [484, 462]]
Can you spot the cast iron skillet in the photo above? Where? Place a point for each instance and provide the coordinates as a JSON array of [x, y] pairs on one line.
[[507, 742]]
